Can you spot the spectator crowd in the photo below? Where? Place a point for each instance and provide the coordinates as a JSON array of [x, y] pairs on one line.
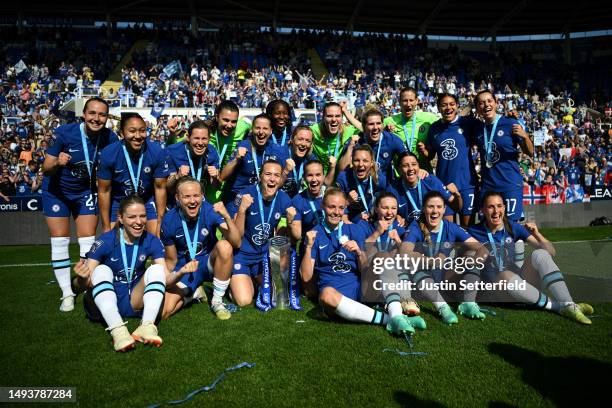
[[42, 69]]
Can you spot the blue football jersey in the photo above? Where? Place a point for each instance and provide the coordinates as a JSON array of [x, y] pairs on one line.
[[451, 234], [256, 233], [347, 181], [451, 143], [573, 175], [308, 210], [385, 150], [74, 178], [172, 232], [334, 265], [384, 242], [519, 232], [294, 178], [246, 170], [505, 174], [405, 207], [178, 156], [107, 250], [282, 138], [113, 166]]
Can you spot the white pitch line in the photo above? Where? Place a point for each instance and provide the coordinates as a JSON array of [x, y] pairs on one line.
[[25, 265], [583, 241]]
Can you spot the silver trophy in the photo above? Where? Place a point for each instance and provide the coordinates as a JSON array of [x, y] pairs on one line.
[[280, 250]]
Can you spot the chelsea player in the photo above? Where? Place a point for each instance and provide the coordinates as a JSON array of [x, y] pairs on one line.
[[431, 237], [497, 139], [412, 186], [257, 210], [120, 285], [307, 203], [361, 183], [196, 157], [280, 112], [300, 149], [249, 156], [386, 145], [330, 135], [133, 166], [448, 140], [69, 188], [188, 233], [411, 125], [500, 235], [227, 130], [333, 261]]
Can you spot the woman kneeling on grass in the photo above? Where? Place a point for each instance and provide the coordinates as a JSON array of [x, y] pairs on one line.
[[500, 235], [334, 259], [120, 285]]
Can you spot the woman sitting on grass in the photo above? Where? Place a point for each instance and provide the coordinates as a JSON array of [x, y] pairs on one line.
[[500, 236], [120, 285], [430, 240], [334, 259]]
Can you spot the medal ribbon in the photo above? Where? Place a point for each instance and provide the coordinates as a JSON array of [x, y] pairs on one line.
[[411, 140], [436, 249], [195, 175], [86, 148], [489, 140], [135, 179], [500, 259], [129, 272]]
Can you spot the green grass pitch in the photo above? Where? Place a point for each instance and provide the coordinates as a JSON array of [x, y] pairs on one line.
[[518, 358]]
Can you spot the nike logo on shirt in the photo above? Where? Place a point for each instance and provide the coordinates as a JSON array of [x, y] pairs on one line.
[[322, 246], [118, 171], [401, 205], [114, 259], [254, 212], [72, 150], [181, 235], [306, 212]]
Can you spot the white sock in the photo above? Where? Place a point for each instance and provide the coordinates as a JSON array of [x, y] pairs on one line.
[[85, 244], [105, 297], [394, 309], [357, 312], [60, 260], [155, 287], [219, 289]]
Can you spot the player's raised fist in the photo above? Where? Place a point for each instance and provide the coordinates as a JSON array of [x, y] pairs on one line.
[[246, 201], [183, 170], [310, 238], [289, 165], [63, 159], [212, 171]]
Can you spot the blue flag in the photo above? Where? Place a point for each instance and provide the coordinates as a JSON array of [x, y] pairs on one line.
[[574, 194], [173, 68], [157, 110]]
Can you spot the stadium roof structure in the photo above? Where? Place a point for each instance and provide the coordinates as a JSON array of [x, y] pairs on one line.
[[474, 18]]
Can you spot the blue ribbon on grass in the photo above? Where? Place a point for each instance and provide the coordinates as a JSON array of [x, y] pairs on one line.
[[408, 338], [210, 387]]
